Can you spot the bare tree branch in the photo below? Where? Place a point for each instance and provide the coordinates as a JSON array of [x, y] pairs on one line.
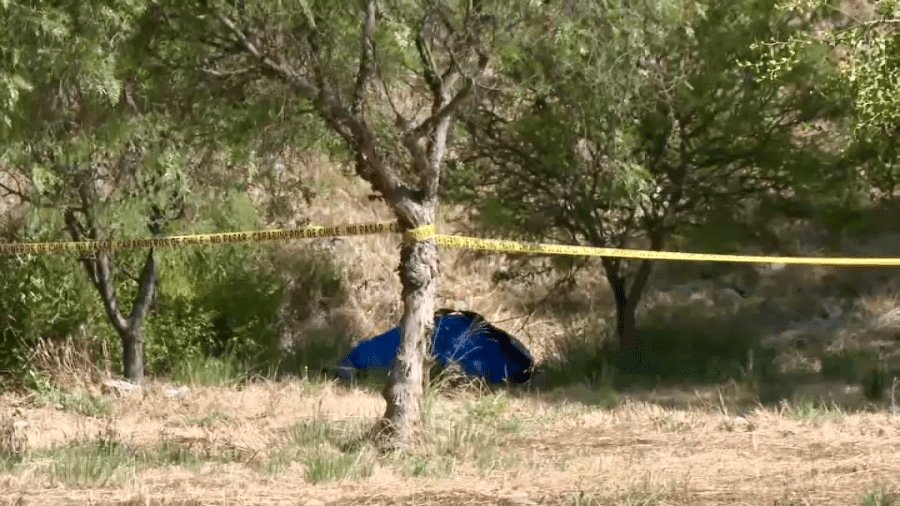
[[429, 68], [399, 119], [344, 122], [226, 73], [18, 193], [99, 272], [430, 124], [366, 59], [303, 86]]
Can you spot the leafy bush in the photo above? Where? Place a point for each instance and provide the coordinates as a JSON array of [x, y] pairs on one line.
[[702, 351], [849, 365], [684, 344], [40, 296], [232, 303], [229, 302]]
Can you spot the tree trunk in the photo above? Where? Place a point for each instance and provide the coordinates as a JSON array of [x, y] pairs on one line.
[[130, 329], [100, 271], [407, 380], [133, 339], [627, 299], [133, 354], [424, 140], [626, 321]]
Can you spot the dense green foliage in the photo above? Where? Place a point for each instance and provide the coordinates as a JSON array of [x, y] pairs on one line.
[[226, 303], [95, 145], [864, 42], [637, 123]]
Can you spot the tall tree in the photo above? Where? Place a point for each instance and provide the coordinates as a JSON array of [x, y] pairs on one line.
[[62, 126], [83, 201], [80, 140], [387, 78], [633, 121]]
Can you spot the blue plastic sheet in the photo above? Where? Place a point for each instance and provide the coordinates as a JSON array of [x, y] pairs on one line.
[[480, 349]]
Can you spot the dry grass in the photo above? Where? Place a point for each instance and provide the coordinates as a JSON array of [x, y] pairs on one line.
[[287, 443]]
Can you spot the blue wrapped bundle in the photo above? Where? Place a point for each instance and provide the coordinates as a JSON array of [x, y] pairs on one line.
[[480, 349]]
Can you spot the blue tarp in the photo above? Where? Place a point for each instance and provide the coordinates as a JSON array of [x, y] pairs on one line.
[[480, 349]]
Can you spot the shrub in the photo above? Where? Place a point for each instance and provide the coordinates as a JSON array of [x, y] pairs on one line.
[[682, 344], [41, 296]]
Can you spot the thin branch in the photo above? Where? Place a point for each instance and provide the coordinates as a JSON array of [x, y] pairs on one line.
[[18, 193], [303, 86], [350, 127], [559, 288], [872, 23], [399, 119], [429, 124], [225, 73], [434, 130], [98, 271], [108, 292], [429, 69], [366, 59]]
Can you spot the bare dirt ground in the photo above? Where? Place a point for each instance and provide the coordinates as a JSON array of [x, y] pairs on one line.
[[285, 443]]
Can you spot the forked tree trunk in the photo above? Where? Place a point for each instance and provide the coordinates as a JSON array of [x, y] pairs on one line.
[[627, 297], [131, 328], [405, 389], [626, 320], [100, 268]]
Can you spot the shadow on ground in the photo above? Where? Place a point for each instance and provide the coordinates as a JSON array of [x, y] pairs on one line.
[[691, 355]]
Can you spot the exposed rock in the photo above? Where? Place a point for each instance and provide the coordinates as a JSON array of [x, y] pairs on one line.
[[728, 296], [181, 392], [120, 388], [518, 500]]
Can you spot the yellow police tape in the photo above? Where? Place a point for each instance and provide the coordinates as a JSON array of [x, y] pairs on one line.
[[473, 243], [309, 232], [424, 233]]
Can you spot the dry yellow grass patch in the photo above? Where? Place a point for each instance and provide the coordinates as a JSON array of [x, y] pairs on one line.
[[287, 443]]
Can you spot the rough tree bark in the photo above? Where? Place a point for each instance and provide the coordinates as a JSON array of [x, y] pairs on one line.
[[133, 334], [627, 297], [403, 393], [414, 204], [626, 305]]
